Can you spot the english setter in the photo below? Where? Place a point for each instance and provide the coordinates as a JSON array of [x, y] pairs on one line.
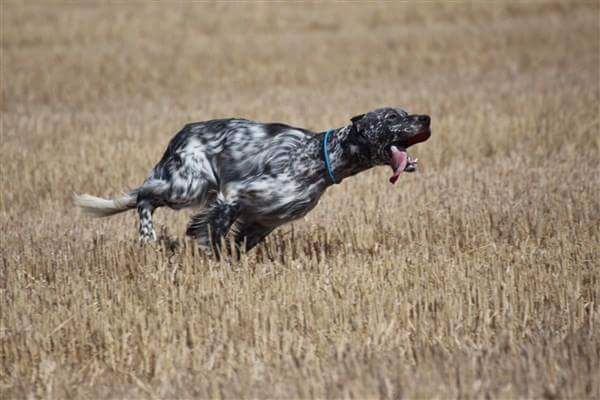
[[257, 176]]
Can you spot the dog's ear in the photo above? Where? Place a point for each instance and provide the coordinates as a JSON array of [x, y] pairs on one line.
[[357, 118]]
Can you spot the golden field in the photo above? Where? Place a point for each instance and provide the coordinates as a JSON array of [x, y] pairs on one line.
[[477, 277]]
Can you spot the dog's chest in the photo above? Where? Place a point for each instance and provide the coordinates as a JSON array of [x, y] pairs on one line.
[[276, 201]]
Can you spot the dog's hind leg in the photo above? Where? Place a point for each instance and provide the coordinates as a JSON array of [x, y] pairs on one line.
[[149, 196], [212, 224], [146, 229]]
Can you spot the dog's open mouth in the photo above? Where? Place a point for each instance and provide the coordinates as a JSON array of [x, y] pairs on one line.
[[400, 161]]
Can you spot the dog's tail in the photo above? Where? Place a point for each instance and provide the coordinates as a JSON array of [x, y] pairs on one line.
[[99, 207]]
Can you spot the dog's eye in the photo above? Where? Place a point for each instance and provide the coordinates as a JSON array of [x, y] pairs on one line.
[[391, 117]]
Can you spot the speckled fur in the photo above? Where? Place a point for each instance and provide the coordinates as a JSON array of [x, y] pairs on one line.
[[257, 176]]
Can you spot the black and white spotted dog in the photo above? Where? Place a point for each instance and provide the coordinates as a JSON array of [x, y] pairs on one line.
[[258, 176]]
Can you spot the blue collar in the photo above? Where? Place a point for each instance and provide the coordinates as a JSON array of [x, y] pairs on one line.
[[326, 157]]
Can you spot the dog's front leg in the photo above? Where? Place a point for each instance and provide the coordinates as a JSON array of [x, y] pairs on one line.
[[213, 223], [249, 235]]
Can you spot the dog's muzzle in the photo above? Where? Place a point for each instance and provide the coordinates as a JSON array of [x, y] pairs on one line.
[[400, 161]]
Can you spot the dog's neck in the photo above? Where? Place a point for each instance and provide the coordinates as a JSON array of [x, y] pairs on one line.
[[348, 152]]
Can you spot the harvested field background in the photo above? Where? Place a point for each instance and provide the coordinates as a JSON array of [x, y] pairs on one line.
[[476, 277]]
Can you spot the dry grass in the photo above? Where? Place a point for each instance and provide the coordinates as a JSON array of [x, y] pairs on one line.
[[478, 277]]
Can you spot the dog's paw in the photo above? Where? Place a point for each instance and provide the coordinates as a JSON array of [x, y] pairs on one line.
[[147, 237]]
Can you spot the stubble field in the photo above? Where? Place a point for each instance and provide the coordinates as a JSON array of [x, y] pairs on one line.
[[476, 277]]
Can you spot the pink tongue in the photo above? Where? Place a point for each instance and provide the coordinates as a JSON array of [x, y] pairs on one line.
[[398, 162]]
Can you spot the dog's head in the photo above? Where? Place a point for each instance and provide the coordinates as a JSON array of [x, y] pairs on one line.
[[388, 132]]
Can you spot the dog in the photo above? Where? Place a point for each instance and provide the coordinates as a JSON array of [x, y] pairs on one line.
[[256, 176]]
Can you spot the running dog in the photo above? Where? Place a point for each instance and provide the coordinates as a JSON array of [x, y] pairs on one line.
[[257, 176]]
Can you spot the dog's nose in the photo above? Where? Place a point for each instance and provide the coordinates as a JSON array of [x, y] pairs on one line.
[[424, 119]]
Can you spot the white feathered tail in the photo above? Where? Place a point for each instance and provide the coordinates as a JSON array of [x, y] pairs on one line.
[[99, 207]]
